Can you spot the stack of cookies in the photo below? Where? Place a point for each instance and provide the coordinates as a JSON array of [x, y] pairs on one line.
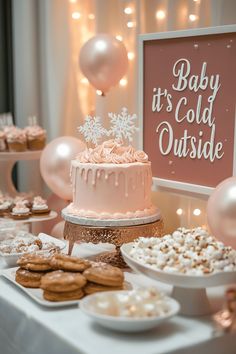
[[103, 278], [64, 278], [62, 286], [32, 268]]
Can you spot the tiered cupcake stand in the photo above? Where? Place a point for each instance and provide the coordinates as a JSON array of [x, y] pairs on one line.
[[7, 162], [109, 231]]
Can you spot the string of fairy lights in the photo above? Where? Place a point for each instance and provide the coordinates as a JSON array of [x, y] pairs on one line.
[[130, 19], [129, 12]]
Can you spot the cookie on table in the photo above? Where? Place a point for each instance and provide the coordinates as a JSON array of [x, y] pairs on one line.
[[104, 275], [63, 296], [35, 262], [59, 281], [69, 263], [28, 279], [91, 288]]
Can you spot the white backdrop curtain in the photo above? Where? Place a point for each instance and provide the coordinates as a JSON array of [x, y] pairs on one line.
[[48, 82]]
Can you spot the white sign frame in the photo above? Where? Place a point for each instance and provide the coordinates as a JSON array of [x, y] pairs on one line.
[[160, 182]]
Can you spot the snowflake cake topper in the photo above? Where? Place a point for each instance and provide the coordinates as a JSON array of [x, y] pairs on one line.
[[92, 130], [122, 127]]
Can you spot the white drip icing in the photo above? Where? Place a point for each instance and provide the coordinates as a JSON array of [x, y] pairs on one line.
[[132, 179]]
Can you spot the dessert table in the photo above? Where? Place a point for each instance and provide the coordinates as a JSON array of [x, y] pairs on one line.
[[31, 329]]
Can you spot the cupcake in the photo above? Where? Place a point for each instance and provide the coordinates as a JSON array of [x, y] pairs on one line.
[[40, 206], [5, 207], [16, 139], [20, 211], [22, 200], [36, 137], [9, 200], [3, 145]]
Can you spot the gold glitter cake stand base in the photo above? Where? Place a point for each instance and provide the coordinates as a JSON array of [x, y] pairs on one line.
[[116, 235]]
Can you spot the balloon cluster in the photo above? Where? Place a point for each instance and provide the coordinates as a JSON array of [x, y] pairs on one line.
[[104, 61], [55, 164], [221, 211]]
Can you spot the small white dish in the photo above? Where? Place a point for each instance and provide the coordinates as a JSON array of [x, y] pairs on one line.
[[127, 324], [11, 258]]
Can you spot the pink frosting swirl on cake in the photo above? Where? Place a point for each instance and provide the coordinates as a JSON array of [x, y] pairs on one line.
[[112, 151]]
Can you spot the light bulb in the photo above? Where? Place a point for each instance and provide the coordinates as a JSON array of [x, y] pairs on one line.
[[130, 24], [128, 10], [192, 17], [196, 212], [91, 16], [160, 14], [123, 82], [76, 15], [131, 55], [99, 92], [120, 38], [179, 211], [84, 80]]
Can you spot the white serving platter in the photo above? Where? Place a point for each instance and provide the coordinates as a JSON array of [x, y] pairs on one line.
[[127, 324], [189, 290], [35, 294]]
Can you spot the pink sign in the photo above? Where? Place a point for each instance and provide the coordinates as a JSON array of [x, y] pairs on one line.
[[188, 106]]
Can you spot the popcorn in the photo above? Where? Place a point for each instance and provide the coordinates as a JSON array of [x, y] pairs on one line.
[[137, 303], [188, 251]]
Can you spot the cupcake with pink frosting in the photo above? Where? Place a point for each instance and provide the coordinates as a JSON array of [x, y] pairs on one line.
[[39, 206], [5, 206], [3, 145], [36, 137], [20, 211], [16, 139]]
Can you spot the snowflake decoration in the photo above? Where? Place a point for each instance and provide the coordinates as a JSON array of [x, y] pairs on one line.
[[123, 125], [92, 129]]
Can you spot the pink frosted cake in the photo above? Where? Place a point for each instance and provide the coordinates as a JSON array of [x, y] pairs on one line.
[[111, 181]]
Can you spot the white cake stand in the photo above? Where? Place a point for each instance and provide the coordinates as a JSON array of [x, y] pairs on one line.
[[67, 216], [189, 291], [7, 161]]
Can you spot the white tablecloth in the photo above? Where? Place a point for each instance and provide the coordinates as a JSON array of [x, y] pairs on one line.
[[27, 328]]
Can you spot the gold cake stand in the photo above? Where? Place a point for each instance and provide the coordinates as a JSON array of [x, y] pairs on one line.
[[116, 235]]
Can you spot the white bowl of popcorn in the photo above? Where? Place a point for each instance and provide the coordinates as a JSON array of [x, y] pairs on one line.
[[189, 259], [130, 311]]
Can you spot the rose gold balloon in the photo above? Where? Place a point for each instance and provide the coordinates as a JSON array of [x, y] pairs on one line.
[[103, 60], [221, 211], [55, 164]]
